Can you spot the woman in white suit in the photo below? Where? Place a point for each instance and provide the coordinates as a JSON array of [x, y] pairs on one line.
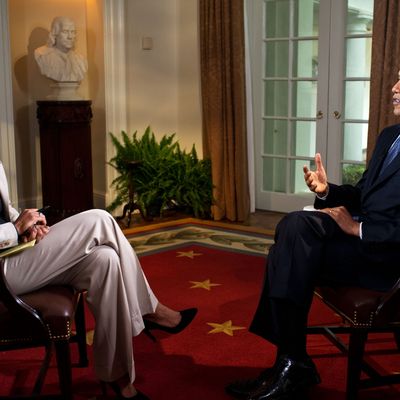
[[89, 251]]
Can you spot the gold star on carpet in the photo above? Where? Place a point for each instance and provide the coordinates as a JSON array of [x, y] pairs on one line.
[[203, 285], [189, 254], [226, 327]]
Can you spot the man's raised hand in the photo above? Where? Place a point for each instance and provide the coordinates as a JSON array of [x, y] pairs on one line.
[[317, 180]]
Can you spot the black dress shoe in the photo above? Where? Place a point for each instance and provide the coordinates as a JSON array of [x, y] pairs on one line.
[[241, 389], [289, 379]]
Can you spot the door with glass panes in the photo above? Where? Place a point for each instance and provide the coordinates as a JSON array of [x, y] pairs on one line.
[[310, 71]]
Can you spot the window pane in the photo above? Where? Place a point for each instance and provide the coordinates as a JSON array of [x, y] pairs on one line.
[[277, 59], [303, 138], [277, 18], [306, 18], [275, 137], [276, 98], [359, 16], [274, 174], [355, 142], [351, 173], [305, 58], [297, 184], [357, 100], [358, 60], [304, 99], [310, 164]]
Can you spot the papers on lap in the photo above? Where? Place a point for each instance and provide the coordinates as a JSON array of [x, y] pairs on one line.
[[310, 208], [16, 249]]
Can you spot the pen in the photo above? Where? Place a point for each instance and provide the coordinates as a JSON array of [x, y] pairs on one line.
[[43, 209]]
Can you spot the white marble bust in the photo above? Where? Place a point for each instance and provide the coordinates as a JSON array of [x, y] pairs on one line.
[[57, 59]]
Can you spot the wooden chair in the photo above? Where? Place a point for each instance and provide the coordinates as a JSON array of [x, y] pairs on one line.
[[363, 311], [44, 318]]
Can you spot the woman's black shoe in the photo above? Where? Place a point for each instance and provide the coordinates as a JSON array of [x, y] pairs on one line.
[[186, 318], [117, 390]]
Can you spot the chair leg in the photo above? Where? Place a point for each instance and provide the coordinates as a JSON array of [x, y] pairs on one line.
[[396, 333], [43, 370], [64, 367], [80, 326], [357, 341]]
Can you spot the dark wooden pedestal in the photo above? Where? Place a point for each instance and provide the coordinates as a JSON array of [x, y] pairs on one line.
[[66, 157]]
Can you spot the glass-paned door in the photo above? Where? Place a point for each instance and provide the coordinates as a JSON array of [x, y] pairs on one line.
[[314, 74], [358, 44]]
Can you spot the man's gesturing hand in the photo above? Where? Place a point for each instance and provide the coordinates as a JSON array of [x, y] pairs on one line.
[[316, 180]]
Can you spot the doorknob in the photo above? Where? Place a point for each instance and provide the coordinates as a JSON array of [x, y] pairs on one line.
[[337, 114], [320, 114]]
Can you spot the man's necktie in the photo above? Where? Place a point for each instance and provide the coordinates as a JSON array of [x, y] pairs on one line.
[[392, 153]]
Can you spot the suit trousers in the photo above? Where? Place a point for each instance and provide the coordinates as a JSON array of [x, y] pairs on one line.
[[310, 249], [90, 252]]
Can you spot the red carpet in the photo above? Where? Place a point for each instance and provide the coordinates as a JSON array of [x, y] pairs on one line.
[[197, 363]]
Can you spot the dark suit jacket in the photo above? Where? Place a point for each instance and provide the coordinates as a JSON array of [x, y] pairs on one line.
[[375, 198], [338, 258]]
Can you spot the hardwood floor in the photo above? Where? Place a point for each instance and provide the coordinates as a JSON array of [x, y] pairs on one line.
[[264, 219], [259, 219]]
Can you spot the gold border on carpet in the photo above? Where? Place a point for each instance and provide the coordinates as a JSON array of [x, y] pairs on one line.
[[174, 234]]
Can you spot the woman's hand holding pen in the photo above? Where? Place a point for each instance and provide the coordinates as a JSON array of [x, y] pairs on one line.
[[31, 224]]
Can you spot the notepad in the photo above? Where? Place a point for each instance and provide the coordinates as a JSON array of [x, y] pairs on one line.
[[17, 249], [309, 208]]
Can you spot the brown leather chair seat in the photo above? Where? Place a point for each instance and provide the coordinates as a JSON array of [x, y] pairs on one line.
[[57, 306], [44, 318], [363, 311], [359, 306]]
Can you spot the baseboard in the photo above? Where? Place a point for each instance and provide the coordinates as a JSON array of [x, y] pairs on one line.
[[99, 199]]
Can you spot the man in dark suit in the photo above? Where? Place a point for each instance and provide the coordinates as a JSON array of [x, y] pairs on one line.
[[352, 238]]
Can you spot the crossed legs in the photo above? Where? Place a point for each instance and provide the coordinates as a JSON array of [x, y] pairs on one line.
[[89, 251]]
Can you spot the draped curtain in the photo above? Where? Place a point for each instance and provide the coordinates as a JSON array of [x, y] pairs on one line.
[[224, 105], [384, 67]]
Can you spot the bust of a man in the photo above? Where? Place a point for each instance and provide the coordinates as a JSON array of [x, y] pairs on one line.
[[57, 59]]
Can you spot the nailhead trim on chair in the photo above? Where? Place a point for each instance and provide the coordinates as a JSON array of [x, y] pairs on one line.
[[56, 337], [16, 340], [363, 325], [30, 339], [51, 336]]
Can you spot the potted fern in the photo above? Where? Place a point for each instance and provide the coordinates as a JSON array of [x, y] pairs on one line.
[[164, 176]]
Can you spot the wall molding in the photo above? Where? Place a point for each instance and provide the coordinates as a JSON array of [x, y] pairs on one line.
[[115, 80], [7, 139]]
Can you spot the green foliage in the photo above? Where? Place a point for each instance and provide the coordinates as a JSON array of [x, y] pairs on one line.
[[166, 176], [352, 173]]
